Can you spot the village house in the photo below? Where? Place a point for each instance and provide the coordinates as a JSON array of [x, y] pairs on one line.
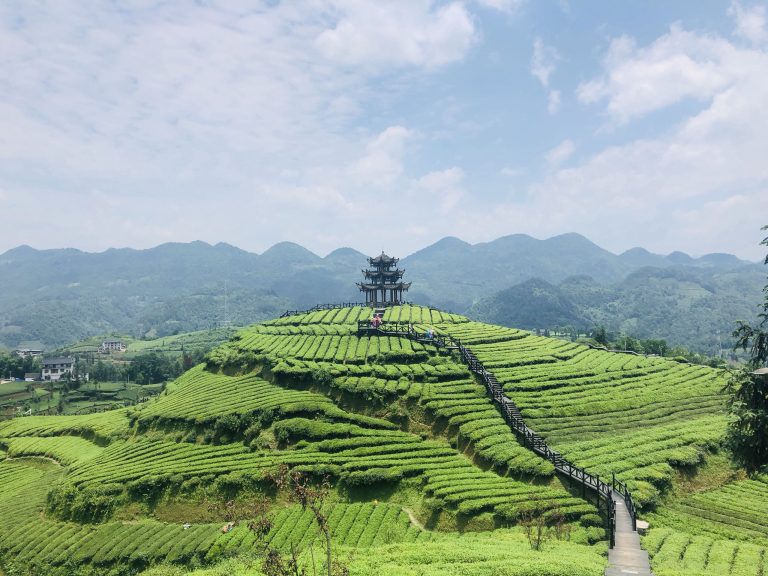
[[112, 346], [32, 376], [28, 352], [56, 368]]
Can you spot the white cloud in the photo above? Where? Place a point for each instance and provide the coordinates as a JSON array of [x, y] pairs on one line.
[[506, 6], [218, 121], [401, 32], [194, 112], [444, 187], [750, 22], [512, 172], [382, 163], [560, 153], [679, 65], [704, 179], [324, 198], [543, 61], [553, 102]]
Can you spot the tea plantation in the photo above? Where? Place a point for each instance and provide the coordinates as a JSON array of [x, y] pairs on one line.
[[426, 476]]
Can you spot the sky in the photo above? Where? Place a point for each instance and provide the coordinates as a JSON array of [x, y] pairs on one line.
[[384, 124]]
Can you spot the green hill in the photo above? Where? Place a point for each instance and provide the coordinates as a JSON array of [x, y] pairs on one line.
[[422, 466], [694, 307], [188, 341]]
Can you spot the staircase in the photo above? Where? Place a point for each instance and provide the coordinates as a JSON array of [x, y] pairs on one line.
[[606, 492]]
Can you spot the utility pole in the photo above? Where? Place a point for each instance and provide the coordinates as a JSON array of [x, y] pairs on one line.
[[719, 345], [226, 322]]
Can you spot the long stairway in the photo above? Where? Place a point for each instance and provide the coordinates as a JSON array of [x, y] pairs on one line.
[[625, 555]]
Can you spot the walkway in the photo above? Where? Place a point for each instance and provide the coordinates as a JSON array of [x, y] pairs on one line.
[[626, 557]]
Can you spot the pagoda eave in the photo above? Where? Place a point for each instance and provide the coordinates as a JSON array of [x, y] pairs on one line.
[[398, 286]]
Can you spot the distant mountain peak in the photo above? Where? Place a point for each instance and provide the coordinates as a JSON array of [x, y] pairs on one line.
[[344, 252], [720, 259], [288, 249], [450, 242], [570, 237], [20, 252], [678, 257], [636, 251]]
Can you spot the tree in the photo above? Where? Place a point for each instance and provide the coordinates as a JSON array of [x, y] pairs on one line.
[[310, 496], [748, 403], [654, 346], [600, 334]]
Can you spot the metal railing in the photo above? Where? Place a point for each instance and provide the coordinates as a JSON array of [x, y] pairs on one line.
[[336, 305], [319, 307]]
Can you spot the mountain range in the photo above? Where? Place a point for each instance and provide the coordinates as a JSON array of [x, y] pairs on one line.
[[63, 295]]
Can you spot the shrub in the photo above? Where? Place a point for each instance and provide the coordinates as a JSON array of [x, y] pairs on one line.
[[372, 476]]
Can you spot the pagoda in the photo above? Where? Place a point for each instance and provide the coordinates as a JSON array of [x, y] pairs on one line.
[[383, 285]]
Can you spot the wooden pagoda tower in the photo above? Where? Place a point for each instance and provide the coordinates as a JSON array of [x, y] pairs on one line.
[[383, 285]]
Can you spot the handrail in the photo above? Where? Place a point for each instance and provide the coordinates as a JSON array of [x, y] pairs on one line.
[[319, 307], [514, 419], [333, 306]]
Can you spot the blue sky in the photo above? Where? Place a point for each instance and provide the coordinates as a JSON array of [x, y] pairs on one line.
[[384, 124]]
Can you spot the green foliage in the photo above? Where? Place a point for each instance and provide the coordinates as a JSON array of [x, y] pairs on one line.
[[660, 414], [13, 366], [748, 402], [748, 423], [683, 554], [64, 449], [735, 511], [691, 306], [372, 476], [503, 552], [101, 427]]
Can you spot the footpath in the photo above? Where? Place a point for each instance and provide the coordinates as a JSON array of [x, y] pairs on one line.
[[626, 557]]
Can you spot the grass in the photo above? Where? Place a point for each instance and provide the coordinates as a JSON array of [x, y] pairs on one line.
[[678, 553], [64, 449], [504, 553]]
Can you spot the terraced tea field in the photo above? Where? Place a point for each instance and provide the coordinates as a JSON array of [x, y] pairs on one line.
[[414, 449], [678, 553], [633, 416]]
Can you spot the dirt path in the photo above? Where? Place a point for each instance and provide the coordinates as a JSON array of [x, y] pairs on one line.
[[414, 520]]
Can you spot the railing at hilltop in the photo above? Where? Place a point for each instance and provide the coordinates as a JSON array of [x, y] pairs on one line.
[[403, 329], [514, 419], [336, 305], [319, 307]]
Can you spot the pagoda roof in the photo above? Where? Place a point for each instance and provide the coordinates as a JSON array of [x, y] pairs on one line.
[[383, 259]]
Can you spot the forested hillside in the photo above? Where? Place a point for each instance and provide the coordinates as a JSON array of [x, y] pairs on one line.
[[63, 296], [694, 307]]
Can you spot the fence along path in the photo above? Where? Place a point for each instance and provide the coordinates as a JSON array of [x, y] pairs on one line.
[[613, 497], [625, 555]]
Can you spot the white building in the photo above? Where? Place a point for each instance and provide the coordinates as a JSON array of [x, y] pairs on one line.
[[112, 346], [28, 352], [55, 368]]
